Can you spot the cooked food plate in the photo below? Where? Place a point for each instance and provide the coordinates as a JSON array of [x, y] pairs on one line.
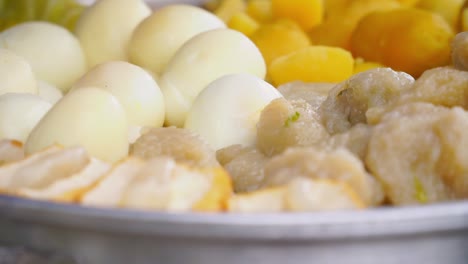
[[235, 131]]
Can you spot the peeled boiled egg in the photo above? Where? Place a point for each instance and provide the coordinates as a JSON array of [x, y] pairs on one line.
[[133, 86], [48, 92], [106, 27], [55, 54], [160, 35], [91, 118], [201, 60], [227, 111], [16, 75], [19, 114]]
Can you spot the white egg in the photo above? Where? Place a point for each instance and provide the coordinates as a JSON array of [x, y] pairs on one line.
[[201, 60], [16, 75], [227, 111], [54, 53], [106, 27], [159, 36], [92, 118], [134, 87], [134, 132], [48, 92], [19, 114]]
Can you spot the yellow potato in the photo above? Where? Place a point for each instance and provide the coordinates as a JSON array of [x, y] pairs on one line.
[[339, 25], [227, 8], [361, 66], [279, 38], [244, 23], [260, 10], [307, 13], [464, 18], [448, 9], [394, 39], [312, 64]]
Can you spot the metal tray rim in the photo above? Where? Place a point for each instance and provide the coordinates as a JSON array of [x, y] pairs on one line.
[[444, 217]]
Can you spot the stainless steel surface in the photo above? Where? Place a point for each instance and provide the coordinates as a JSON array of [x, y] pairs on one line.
[[429, 234]]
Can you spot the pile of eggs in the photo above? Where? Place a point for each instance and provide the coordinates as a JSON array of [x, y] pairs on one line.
[[127, 68]]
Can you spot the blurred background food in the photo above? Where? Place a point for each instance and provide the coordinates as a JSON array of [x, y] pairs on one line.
[[62, 12]]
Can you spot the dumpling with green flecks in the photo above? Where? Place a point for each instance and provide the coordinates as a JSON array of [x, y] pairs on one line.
[[418, 152]]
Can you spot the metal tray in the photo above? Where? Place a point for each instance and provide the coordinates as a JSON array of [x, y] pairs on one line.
[[431, 234]]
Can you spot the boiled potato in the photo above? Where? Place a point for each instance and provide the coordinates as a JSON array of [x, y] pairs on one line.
[[464, 18], [19, 114], [106, 27], [244, 23], [16, 75], [313, 64], [279, 38], [159, 36], [393, 38], [449, 9], [48, 92], [203, 59], [135, 89], [227, 111], [307, 13], [91, 118], [54, 54]]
